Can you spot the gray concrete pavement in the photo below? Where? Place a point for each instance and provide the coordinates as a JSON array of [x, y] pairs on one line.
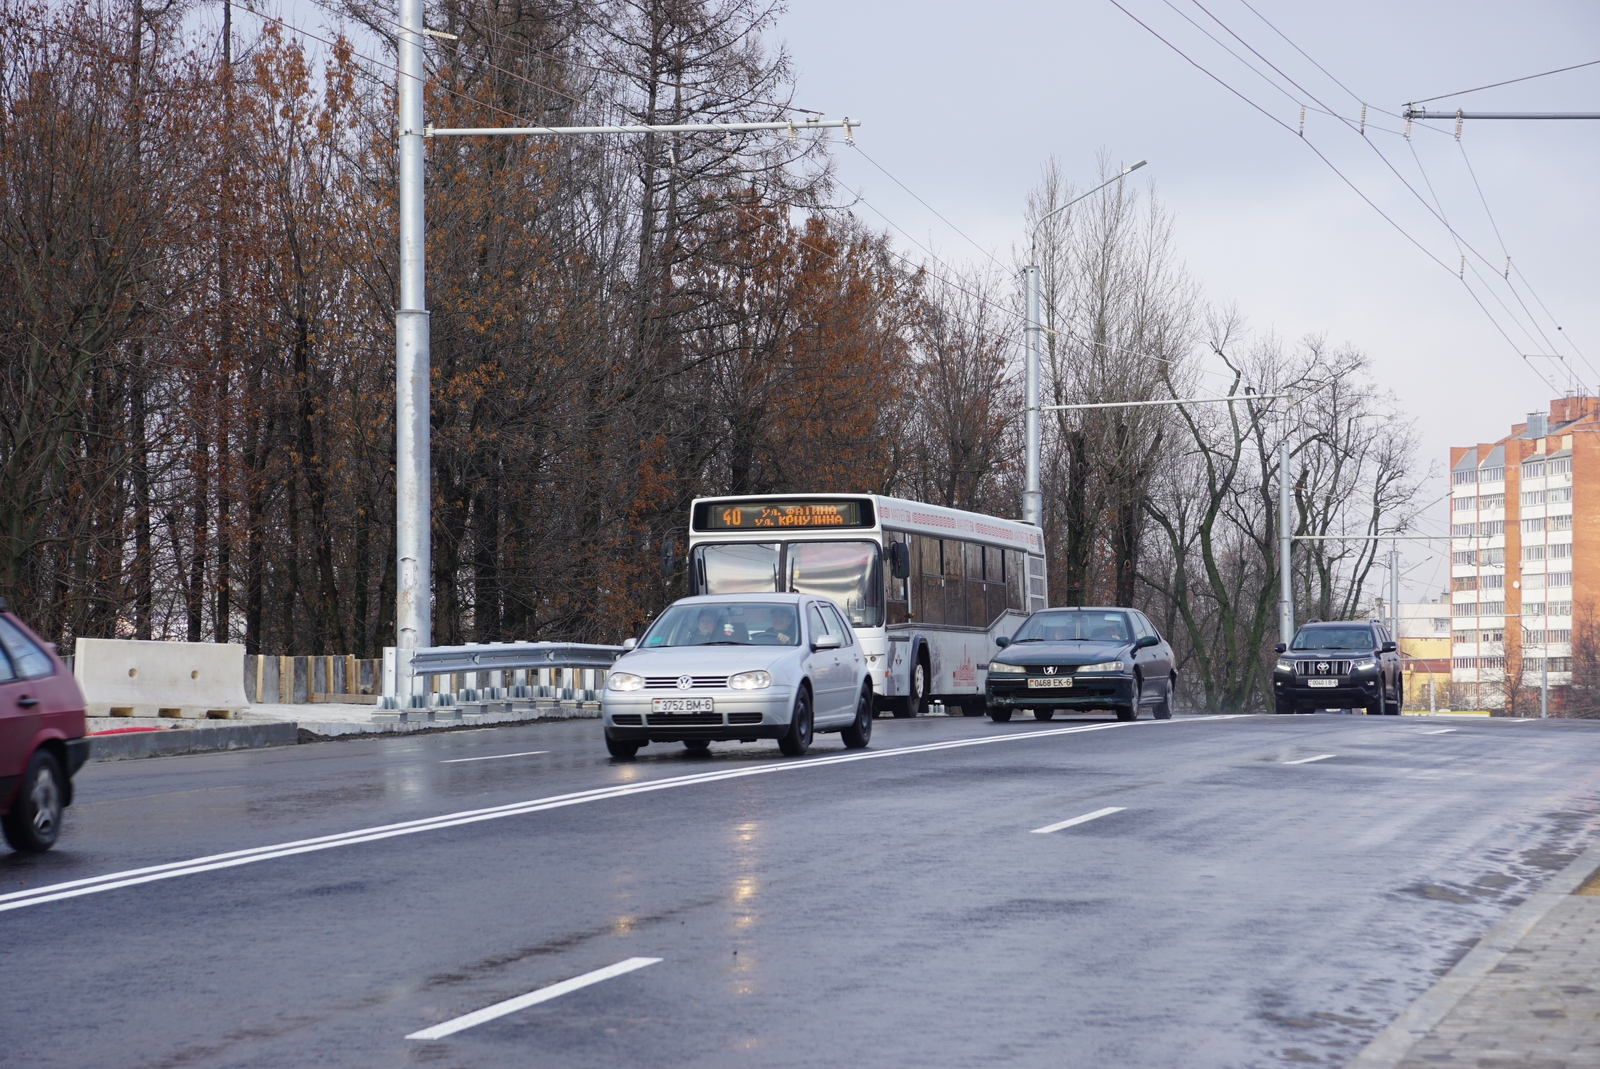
[[886, 907]]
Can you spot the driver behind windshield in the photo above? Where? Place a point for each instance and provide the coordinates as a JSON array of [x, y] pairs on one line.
[[705, 628], [1334, 638]]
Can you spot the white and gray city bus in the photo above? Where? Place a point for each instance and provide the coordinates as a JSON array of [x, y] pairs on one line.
[[927, 588]]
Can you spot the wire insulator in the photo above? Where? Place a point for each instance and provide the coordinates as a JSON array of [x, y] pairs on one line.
[[1458, 125], [1302, 120], [1407, 130], [1363, 120], [849, 138]]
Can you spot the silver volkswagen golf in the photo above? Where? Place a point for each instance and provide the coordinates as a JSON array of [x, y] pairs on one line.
[[740, 666]]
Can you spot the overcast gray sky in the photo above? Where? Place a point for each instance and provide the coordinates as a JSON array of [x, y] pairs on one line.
[[963, 103]]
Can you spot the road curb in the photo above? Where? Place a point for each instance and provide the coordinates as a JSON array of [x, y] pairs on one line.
[[124, 747], [1431, 1007]]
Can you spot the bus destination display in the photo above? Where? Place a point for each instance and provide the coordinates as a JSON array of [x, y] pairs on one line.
[[764, 514]]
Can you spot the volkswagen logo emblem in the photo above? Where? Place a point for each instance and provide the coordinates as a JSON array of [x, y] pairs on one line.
[[1049, 669], [685, 682]]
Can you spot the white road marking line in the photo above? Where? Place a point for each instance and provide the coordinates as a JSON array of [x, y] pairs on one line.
[[1439, 731], [194, 866], [1096, 815], [532, 998], [493, 757], [1308, 760]]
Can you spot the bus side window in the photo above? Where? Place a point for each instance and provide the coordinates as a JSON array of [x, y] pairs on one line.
[[994, 586], [929, 603], [1035, 583], [1014, 580], [895, 589], [955, 594]]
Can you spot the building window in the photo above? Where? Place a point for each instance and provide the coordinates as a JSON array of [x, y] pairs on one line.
[[1492, 501], [1559, 634], [1533, 553], [1533, 664], [1492, 555], [1560, 466], [1533, 582], [1561, 551], [1560, 523], [1492, 582], [1533, 469], [1533, 525], [1491, 528], [1560, 608], [1533, 608], [1492, 608], [1461, 477], [1464, 556], [1465, 504], [1533, 497], [1532, 638], [1559, 579], [1441, 623], [1464, 582], [1462, 530], [1561, 664], [1492, 637], [1463, 662], [1493, 663], [1560, 494], [1464, 608], [1492, 475]]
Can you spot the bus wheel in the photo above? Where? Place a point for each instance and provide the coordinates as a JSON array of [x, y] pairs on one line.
[[915, 704]]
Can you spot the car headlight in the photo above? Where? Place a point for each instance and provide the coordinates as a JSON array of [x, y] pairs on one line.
[[624, 681], [750, 680], [1286, 666], [1005, 669], [1104, 666], [1363, 666]]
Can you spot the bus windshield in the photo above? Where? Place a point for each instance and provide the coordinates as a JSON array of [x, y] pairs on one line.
[[730, 624], [1074, 625], [844, 572]]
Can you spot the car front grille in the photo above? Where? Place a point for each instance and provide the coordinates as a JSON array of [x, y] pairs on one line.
[[626, 718], [675, 719], [700, 682], [1322, 667], [744, 718]]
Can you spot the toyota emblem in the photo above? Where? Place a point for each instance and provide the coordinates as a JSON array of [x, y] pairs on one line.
[[685, 682], [1049, 669], [1322, 666]]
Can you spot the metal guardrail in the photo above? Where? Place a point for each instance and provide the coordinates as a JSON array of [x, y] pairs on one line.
[[402, 668], [510, 656]]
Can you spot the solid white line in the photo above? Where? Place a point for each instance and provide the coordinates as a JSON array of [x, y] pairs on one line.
[[1308, 760], [1439, 731], [1096, 815], [532, 998], [149, 874], [493, 757]]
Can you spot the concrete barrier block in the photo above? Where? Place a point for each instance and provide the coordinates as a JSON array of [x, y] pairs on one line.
[[191, 741], [127, 677]]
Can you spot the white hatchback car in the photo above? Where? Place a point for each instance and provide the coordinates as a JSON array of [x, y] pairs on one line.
[[744, 667]]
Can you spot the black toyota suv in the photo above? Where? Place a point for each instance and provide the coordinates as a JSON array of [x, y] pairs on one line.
[[1347, 664]]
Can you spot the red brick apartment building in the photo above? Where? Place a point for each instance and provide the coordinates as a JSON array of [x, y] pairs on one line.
[[1524, 551]]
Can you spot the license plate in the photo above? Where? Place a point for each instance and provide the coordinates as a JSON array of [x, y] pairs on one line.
[[681, 705], [1322, 682], [1049, 682]]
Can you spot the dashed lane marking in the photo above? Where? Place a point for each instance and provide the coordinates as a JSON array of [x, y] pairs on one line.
[[493, 757], [532, 998], [1308, 760], [1438, 731], [1096, 815], [133, 877]]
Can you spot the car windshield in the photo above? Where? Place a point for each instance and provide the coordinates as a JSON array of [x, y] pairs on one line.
[[1334, 638], [724, 624], [1074, 625]]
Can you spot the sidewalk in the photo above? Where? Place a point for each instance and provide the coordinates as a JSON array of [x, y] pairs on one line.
[[1526, 997]]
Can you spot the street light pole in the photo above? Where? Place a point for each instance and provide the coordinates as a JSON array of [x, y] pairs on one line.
[[1285, 547], [413, 604], [1032, 495]]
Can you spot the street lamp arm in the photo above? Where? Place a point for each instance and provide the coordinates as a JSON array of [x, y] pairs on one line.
[[1033, 238]]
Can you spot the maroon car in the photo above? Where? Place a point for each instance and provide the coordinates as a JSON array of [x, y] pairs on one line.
[[42, 740]]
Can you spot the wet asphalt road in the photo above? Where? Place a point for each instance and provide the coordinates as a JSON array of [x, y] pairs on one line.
[[888, 907]]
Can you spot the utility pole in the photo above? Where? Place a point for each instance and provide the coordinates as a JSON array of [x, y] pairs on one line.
[[413, 462], [1544, 687], [1394, 592], [1032, 496], [1285, 548]]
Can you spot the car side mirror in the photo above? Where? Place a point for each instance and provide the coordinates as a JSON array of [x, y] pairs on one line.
[[1146, 641], [629, 643], [826, 642], [1002, 641], [899, 560], [1281, 648], [1387, 647]]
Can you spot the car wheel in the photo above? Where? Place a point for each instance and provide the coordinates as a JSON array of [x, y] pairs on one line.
[[797, 740], [1128, 713], [697, 746], [34, 822], [1392, 708], [1044, 714], [972, 708], [621, 749], [1163, 711], [1379, 707], [859, 733], [999, 714], [1283, 708]]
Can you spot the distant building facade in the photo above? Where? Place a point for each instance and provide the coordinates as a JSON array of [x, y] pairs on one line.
[[1424, 642], [1524, 550]]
